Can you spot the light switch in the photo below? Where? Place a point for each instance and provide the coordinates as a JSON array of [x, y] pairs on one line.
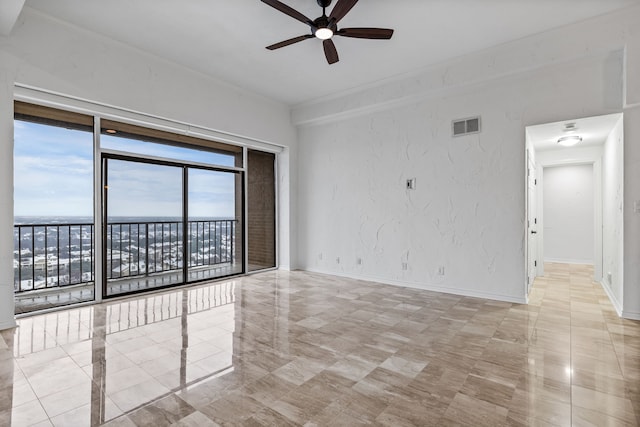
[[636, 206], [411, 184]]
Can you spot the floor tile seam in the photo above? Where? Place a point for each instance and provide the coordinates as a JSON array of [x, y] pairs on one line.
[[636, 407], [608, 415], [72, 356], [65, 412], [29, 379], [51, 338], [145, 404], [615, 350], [571, 354], [49, 417], [90, 378], [41, 406], [16, 364], [32, 391]]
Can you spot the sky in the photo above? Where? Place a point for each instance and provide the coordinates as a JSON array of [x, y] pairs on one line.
[[53, 176]]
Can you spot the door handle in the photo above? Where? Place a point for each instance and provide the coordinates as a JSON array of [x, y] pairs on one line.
[[534, 232]]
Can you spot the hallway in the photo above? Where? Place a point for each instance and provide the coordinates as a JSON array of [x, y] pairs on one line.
[[297, 348], [592, 349]]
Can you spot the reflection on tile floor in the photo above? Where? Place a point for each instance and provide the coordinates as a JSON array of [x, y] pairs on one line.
[[43, 299], [296, 348]]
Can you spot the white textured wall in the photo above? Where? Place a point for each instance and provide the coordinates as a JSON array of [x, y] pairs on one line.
[[467, 213], [6, 199], [357, 148], [568, 219], [58, 57], [612, 213], [631, 303], [44, 53]]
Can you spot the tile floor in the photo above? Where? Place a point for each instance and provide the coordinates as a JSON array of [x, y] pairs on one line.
[[43, 299], [280, 348]]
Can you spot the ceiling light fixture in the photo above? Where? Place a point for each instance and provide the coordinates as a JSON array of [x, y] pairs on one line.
[[111, 131], [326, 27], [569, 141], [323, 33]]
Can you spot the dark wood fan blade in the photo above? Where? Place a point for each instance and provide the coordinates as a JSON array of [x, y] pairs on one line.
[[330, 51], [288, 11], [366, 33], [341, 9], [290, 41]]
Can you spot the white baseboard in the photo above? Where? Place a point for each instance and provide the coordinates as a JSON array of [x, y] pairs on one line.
[[569, 261], [631, 315], [614, 301], [423, 286]]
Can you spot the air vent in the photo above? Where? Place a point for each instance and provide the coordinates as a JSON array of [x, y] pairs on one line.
[[466, 126]]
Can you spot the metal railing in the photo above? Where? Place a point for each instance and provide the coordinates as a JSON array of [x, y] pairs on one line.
[[52, 255], [56, 255]]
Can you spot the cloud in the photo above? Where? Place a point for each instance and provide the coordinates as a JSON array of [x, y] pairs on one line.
[[53, 176], [53, 171], [110, 142]]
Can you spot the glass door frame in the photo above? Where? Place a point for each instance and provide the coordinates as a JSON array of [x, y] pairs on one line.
[[105, 155]]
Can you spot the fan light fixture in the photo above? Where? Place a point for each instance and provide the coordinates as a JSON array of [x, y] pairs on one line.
[[323, 33], [326, 27], [569, 141]]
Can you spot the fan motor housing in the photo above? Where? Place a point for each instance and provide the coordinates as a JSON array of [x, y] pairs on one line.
[[324, 3], [324, 22]]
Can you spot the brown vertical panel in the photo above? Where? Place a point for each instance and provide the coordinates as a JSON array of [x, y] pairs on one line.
[[238, 247], [261, 218]]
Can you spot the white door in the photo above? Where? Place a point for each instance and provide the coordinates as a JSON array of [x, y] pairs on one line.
[[532, 223]]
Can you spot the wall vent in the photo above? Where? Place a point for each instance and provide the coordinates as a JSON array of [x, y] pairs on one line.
[[465, 126]]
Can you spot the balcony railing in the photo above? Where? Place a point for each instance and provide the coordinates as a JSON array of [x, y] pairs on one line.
[[56, 255], [52, 255]]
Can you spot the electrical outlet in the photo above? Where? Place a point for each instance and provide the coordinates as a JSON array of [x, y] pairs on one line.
[[405, 266], [358, 261], [610, 278], [441, 270], [338, 260], [320, 256]]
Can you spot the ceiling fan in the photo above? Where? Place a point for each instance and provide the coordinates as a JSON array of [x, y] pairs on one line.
[[325, 27]]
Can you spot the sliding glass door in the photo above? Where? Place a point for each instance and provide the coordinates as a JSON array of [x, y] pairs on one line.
[[214, 223], [167, 223], [144, 226], [171, 209]]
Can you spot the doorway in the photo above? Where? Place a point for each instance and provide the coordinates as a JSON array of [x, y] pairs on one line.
[[574, 201], [168, 223]]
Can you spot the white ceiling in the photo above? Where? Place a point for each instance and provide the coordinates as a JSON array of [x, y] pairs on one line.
[[226, 39], [593, 130]]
